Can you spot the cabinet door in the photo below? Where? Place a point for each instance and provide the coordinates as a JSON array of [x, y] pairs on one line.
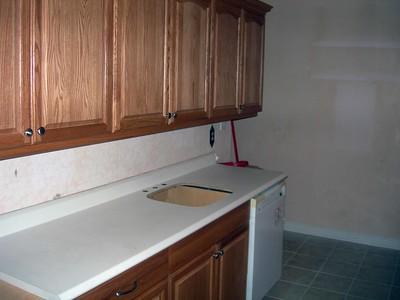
[[14, 73], [73, 68], [194, 280], [190, 59], [142, 63], [159, 292], [226, 64], [253, 62], [233, 268]]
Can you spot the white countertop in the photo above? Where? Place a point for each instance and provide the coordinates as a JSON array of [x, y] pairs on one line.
[[68, 256]]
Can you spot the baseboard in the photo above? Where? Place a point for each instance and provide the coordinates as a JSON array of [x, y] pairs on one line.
[[365, 239]]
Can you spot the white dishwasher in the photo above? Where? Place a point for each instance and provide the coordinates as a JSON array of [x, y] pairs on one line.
[[265, 241]]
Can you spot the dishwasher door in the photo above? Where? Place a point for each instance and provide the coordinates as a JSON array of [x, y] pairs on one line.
[[266, 241]]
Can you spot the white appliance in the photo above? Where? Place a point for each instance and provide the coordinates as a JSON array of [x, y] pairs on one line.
[[265, 241]]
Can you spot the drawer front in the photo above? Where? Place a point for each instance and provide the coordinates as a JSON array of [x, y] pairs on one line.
[[185, 250], [133, 282]]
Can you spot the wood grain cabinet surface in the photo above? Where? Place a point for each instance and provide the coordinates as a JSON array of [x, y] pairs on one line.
[[227, 60], [78, 72], [147, 280], [195, 280], [142, 87], [191, 21], [232, 274], [15, 110], [212, 263], [253, 62], [73, 68]]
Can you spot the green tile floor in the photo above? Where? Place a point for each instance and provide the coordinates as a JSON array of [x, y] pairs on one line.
[[320, 268]]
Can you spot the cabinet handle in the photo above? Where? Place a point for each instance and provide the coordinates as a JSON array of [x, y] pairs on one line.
[[126, 292], [28, 132], [218, 254], [171, 116], [41, 131]]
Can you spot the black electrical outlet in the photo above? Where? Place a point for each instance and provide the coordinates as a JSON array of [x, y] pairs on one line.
[[212, 136]]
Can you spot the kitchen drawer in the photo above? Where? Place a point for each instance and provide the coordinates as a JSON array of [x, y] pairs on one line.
[[140, 280], [198, 242]]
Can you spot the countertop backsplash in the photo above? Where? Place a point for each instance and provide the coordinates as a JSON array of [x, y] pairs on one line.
[[35, 179]]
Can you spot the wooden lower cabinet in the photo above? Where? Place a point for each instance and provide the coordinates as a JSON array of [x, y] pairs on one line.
[[209, 264], [212, 262], [159, 292], [218, 273], [232, 271], [195, 280], [145, 281]]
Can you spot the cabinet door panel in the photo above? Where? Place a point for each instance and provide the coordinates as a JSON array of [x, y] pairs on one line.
[[14, 73], [253, 62], [233, 268], [191, 59], [73, 60], [226, 62], [159, 292], [194, 281], [142, 63]]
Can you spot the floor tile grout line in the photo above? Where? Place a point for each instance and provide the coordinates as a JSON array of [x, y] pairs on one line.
[[288, 259], [307, 286], [322, 272], [356, 275], [318, 271], [397, 269], [353, 278], [296, 251], [302, 244]]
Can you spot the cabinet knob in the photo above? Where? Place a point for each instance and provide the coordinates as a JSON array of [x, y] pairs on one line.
[[28, 132], [218, 254], [41, 131]]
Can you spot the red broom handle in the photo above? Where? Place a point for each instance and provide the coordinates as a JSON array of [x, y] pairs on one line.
[[234, 141]]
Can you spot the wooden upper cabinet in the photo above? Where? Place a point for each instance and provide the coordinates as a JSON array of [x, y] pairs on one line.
[[226, 63], [73, 68], [76, 72], [191, 20], [142, 63], [253, 62], [14, 73]]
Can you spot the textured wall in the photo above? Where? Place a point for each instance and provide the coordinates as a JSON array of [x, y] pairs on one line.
[[34, 179], [331, 116]]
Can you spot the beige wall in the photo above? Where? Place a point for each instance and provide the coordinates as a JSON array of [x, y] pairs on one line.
[[35, 179], [331, 115]]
